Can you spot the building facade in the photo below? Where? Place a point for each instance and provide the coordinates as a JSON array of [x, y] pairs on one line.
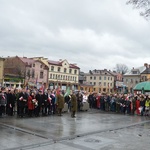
[[63, 74], [131, 78], [145, 75], [26, 71], [102, 80], [83, 85], [118, 81]]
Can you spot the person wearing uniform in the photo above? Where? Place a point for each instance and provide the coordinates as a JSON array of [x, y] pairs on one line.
[[73, 104]]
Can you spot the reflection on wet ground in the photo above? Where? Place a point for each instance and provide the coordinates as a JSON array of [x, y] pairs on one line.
[[89, 130]]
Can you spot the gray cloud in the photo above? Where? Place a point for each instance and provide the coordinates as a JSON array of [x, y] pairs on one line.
[[94, 34]]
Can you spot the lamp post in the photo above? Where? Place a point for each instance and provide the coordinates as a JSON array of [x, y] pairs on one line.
[[143, 90]]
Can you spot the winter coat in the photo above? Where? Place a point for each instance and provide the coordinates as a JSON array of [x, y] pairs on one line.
[[3, 99], [60, 101], [23, 97], [73, 103], [31, 104], [40, 99]]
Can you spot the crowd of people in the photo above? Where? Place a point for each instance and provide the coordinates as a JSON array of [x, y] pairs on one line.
[[34, 102], [130, 104]]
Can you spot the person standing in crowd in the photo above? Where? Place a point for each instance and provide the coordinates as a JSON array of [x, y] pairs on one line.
[[138, 105], [97, 101], [11, 102], [147, 106], [128, 105], [107, 102], [123, 104], [133, 104], [90, 100], [53, 101], [142, 105], [102, 103], [118, 99], [32, 103], [3, 101], [79, 100], [113, 103], [47, 102], [73, 104], [8, 93], [23, 97], [40, 99], [60, 103], [68, 101]]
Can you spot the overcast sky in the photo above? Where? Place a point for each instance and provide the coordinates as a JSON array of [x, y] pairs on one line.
[[95, 34]]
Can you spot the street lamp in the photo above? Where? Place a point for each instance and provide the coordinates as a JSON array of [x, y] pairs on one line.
[[143, 90]]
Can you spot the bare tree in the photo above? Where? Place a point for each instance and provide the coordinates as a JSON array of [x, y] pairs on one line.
[[144, 5], [121, 68]]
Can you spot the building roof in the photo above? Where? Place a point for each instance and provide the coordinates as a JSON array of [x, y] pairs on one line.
[[27, 61], [139, 70], [59, 63], [99, 72], [146, 71]]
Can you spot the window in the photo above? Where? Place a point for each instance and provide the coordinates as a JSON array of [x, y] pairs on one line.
[[40, 66], [52, 68], [41, 75], [65, 70], [70, 70], [33, 73], [94, 78], [94, 83], [100, 78], [58, 69], [134, 72], [33, 65], [104, 83], [50, 76], [75, 71], [91, 83], [104, 78], [91, 78], [108, 78], [53, 76], [100, 83]]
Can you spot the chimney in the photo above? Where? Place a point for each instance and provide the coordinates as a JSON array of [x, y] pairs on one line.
[[146, 65]]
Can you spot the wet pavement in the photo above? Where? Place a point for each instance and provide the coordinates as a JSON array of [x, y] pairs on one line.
[[92, 130]]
